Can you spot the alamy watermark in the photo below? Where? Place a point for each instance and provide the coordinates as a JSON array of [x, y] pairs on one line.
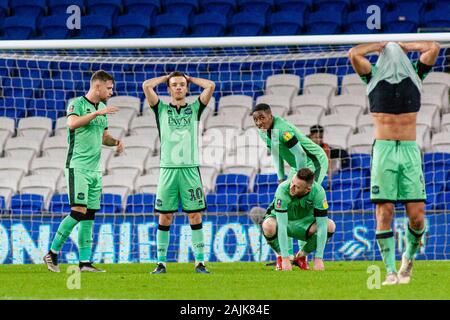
[[74, 280]]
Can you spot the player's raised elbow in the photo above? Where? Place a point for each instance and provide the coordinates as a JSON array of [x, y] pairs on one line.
[[435, 47], [351, 54]]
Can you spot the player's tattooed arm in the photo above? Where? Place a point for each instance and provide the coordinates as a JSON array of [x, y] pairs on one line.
[[149, 89], [109, 141], [207, 85]]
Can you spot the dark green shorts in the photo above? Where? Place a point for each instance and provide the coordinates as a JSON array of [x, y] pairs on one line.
[[396, 173], [84, 187], [177, 184]]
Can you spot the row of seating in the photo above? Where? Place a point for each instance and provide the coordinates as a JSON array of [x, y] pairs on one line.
[[176, 18]]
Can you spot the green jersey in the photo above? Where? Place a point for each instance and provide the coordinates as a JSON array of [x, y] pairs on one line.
[[85, 143], [314, 203], [284, 136], [178, 133]]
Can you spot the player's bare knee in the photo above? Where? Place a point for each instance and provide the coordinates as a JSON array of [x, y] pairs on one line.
[[79, 209], [331, 226], [269, 227], [385, 213], [195, 218], [165, 219]]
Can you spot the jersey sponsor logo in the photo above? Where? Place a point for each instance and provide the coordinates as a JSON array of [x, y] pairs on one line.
[[287, 136], [188, 111], [80, 196], [375, 189], [325, 204], [159, 202], [279, 203], [181, 122]]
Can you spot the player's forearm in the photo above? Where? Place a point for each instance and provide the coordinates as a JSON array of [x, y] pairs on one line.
[[109, 141], [419, 46], [300, 156], [363, 49], [152, 83], [282, 222], [204, 83], [322, 225], [75, 122]]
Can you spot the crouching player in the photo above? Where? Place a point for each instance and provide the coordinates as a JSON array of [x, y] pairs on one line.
[[299, 210]]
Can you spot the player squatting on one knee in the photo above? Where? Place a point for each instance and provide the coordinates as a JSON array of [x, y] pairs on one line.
[[299, 210], [394, 84]]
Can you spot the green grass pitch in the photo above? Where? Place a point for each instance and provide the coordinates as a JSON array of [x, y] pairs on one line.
[[228, 281]]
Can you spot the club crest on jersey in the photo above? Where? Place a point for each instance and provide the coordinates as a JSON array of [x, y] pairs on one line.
[[287, 136], [188, 111], [279, 203], [325, 204], [80, 196]]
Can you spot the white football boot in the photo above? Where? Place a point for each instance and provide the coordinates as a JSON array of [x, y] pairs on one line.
[[404, 274]]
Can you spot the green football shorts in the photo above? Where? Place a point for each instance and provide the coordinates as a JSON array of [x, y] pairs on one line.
[[180, 183], [297, 229], [396, 173], [84, 187]]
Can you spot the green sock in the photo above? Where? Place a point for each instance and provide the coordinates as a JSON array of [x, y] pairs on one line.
[[198, 243], [291, 246], [85, 240], [386, 244], [413, 238], [162, 243], [65, 228], [310, 245]]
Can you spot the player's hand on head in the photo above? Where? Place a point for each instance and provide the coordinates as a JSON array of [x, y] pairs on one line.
[[318, 264], [382, 45], [286, 264]]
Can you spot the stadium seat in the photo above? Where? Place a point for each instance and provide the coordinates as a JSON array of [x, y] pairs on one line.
[[132, 25], [352, 84], [30, 8], [212, 156], [399, 21], [332, 6], [54, 27], [426, 116], [140, 203], [356, 23], [7, 125], [4, 135], [23, 204], [19, 27], [146, 124], [256, 6], [265, 183], [285, 23], [110, 203], [95, 26], [120, 184], [35, 127], [185, 7], [445, 122], [110, 8], [235, 105], [348, 104], [222, 120], [323, 23], [342, 200], [122, 119], [440, 142], [152, 165], [55, 147], [232, 184], [303, 122], [249, 200], [337, 124], [16, 164], [280, 105], [208, 175], [310, 105], [224, 7], [222, 203], [44, 185], [171, 25], [139, 147], [298, 6], [48, 166], [4, 8], [148, 8], [59, 7], [436, 18], [9, 184], [321, 84], [209, 24], [147, 183], [365, 123], [59, 204], [245, 162], [360, 143], [126, 165], [22, 147], [247, 24], [283, 84], [364, 4]]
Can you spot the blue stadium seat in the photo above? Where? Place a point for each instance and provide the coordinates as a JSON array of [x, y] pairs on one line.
[[13, 107], [298, 6], [140, 203], [148, 7], [247, 24], [399, 22], [265, 183], [46, 108], [54, 27], [447, 200], [357, 23], [232, 183], [2, 204], [332, 6], [350, 179], [4, 9], [256, 6], [109, 8], [27, 204], [224, 7], [28, 8], [249, 200], [59, 7], [285, 23], [366, 203], [110, 203], [221, 202], [360, 161], [209, 25], [95, 26], [185, 7], [59, 204], [364, 4], [342, 200], [19, 27], [323, 23], [171, 25], [132, 26], [436, 19]]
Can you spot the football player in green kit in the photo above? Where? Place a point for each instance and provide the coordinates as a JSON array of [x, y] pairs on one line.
[[180, 175], [287, 143], [87, 131], [394, 84], [299, 210]]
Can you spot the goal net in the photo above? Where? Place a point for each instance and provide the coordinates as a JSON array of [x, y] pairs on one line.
[[308, 84]]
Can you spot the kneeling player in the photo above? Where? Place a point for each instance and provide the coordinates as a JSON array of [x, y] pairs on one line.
[[299, 210]]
